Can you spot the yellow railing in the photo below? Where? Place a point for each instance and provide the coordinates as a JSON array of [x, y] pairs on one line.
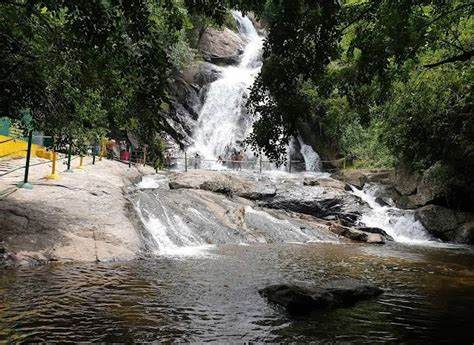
[[16, 148]]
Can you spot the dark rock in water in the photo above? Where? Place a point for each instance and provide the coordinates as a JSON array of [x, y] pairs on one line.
[[348, 232], [373, 230], [206, 74], [298, 300], [373, 235], [379, 200], [447, 224]]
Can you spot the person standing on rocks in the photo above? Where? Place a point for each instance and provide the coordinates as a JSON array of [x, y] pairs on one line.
[[197, 161]]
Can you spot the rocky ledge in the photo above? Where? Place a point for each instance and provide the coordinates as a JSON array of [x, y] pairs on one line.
[[301, 300], [84, 216], [315, 199]]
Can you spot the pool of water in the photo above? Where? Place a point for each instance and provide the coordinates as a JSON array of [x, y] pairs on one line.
[[212, 296]]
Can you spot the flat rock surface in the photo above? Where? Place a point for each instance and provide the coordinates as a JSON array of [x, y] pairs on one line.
[[225, 182], [84, 216]]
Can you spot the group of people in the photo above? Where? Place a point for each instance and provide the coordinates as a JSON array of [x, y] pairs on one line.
[[235, 160]]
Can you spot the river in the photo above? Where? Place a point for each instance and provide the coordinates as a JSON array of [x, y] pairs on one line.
[[212, 297]]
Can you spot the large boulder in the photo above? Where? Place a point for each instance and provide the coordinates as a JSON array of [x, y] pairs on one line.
[[417, 189], [447, 224], [321, 201], [221, 46], [299, 300], [201, 73]]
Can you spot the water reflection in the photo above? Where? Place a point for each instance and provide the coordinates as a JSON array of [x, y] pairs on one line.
[[429, 297]]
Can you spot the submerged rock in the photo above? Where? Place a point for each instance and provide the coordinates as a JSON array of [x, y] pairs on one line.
[[298, 300]]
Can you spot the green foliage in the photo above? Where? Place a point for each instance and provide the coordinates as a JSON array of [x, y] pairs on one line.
[[302, 40], [86, 67], [383, 81], [429, 118]]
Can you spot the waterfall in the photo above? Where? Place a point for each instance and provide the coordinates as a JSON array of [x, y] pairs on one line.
[[400, 224], [311, 158], [222, 123]]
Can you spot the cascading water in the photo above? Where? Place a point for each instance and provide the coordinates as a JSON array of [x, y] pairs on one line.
[[311, 158], [182, 222], [222, 123], [400, 224]]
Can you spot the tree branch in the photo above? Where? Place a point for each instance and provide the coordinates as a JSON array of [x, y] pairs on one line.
[[463, 57]]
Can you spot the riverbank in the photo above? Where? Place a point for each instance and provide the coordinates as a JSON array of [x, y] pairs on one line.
[[83, 216]]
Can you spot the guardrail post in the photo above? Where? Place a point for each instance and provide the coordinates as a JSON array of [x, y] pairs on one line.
[[25, 183], [69, 153], [81, 161], [53, 175], [185, 161], [289, 166], [93, 154]]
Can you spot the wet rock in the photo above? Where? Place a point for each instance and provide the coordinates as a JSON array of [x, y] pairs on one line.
[[201, 73], [362, 234], [221, 47], [378, 231], [318, 201], [381, 201], [447, 224], [299, 300], [324, 182], [349, 232], [223, 182]]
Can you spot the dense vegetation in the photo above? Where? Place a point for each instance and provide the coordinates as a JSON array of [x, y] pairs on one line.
[[85, 68], [384, 82]]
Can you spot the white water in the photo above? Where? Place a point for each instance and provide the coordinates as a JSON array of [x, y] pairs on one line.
[[223, 123], [400, 224], [311, 158]]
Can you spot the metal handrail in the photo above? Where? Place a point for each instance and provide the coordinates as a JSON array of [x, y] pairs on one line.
[[32, 165]]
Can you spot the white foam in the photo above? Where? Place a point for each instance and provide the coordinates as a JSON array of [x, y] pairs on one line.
[[400, 224], [151, 182]]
